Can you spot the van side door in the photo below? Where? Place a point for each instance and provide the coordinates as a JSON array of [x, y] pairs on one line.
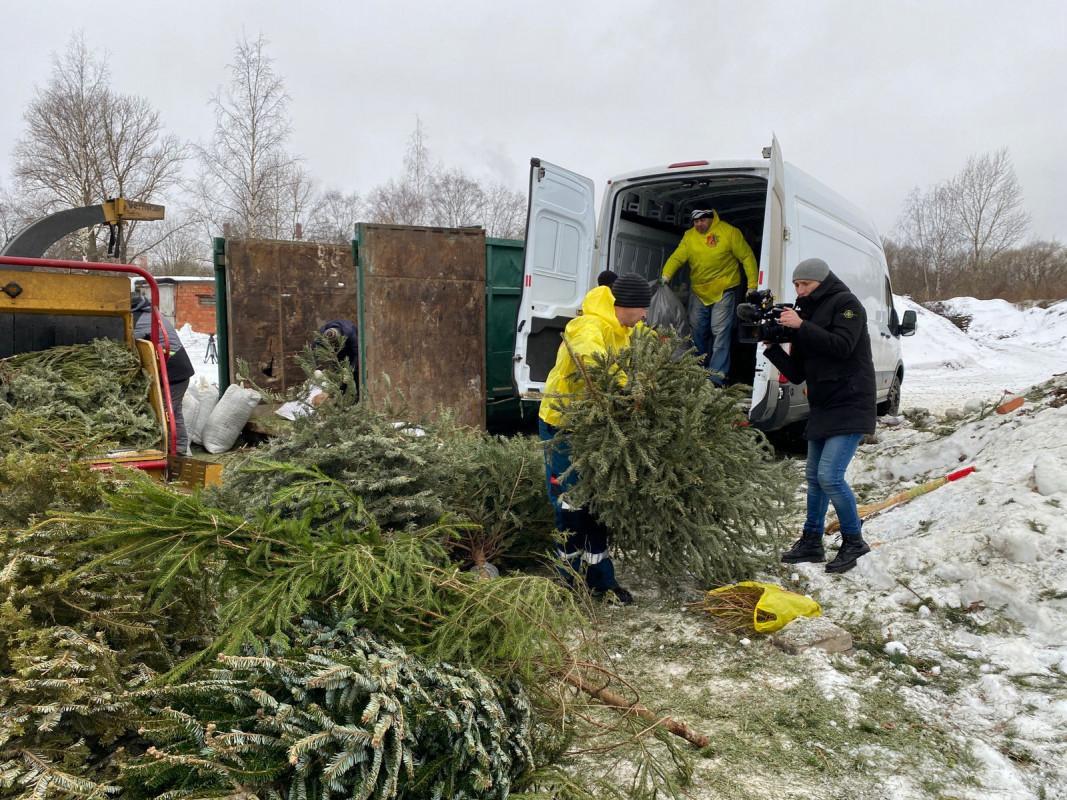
[[557, 269]]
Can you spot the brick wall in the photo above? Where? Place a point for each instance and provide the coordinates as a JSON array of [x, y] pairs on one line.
[[194, 303]]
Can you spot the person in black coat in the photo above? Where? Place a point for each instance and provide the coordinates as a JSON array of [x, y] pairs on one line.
[[831, 351], [180, 368], [344, 336]]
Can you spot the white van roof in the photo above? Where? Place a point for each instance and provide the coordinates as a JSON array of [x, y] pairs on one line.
[[802, 185]]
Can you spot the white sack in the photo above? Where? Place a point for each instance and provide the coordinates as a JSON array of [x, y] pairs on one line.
[[228, 418]]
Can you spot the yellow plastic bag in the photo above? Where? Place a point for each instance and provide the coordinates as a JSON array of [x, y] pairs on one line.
[[776, 607]]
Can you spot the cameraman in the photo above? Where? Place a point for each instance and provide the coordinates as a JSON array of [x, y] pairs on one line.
[[831, 350]]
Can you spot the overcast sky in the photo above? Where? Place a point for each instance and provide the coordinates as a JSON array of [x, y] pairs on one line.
[[872, 98]]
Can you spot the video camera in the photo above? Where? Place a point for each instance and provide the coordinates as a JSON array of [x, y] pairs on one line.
[[758, 316]]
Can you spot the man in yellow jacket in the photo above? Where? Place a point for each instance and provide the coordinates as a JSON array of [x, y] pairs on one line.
[[715, 251], [605, 324]]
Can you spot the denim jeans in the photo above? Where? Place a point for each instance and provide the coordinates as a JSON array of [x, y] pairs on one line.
[[827, 461], [587, 538], [711, 336]]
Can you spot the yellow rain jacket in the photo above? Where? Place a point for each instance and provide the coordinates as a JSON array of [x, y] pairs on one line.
[[597, 330], [713, 258]]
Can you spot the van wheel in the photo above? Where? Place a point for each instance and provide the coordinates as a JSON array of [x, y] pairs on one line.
[[891, 405]]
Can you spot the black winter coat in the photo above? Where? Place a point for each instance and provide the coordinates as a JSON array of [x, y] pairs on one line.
[[350, 349], [832, 352]]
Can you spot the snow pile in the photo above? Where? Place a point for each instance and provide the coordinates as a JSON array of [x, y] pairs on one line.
[[971, 579], [1005, 349]]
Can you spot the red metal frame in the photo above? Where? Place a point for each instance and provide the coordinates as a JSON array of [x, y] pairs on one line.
[[158, 331]]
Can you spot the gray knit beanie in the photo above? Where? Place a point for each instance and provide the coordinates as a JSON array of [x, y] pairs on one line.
[[811, 269]]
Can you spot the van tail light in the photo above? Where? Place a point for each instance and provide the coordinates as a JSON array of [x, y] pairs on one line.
[[782, 378], [677, 164]]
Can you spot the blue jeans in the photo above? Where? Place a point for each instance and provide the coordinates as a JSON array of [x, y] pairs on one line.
[[587, 538], [827, 461], [711, 336]]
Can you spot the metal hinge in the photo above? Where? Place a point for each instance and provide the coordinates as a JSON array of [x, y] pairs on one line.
[[786, 233]]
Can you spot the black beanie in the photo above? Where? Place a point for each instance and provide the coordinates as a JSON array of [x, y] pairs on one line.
[[606, 278], [631, 291]]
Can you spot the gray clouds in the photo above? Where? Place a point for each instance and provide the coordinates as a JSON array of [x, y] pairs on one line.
[[872, 98]]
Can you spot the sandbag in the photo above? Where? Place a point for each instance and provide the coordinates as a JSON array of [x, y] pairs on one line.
[[207, 395], [776, 607], [666, 312], [228, 418]]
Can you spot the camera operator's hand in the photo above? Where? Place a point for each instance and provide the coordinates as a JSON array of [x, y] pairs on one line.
[[789, 318]]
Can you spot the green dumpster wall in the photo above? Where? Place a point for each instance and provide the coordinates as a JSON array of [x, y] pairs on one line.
[[503, 288]]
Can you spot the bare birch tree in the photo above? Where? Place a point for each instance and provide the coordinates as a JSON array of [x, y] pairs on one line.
[[245, 165], [930, 226]]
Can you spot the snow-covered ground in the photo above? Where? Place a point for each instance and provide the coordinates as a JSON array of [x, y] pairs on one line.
[[1005, 349], [197, 344], [957, 686]]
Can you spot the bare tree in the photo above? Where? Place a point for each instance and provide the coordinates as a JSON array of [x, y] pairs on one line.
[[84, 143], [407, 201], [430, 194], [246, 165], [929, 225], [12, 216], [181, 249], [504, 215], [987, 202], [455, 200], [335, 216]]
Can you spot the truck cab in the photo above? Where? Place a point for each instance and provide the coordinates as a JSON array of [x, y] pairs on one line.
[[785, 216]]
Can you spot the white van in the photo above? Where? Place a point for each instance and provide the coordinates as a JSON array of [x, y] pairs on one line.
[[785, 215]]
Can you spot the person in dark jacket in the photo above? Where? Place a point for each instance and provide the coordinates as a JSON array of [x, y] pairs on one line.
[[831, 351], [179, 366], [344, 336]]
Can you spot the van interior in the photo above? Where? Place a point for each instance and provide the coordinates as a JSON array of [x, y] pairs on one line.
[[649, 218]]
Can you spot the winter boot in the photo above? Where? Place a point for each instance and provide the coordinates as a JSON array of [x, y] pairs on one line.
[[807, 548], [852, 547]]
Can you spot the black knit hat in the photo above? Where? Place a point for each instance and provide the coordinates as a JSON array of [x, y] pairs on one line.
[[606, 278], [631, 291]]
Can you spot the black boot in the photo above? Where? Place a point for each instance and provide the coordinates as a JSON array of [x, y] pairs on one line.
[[807, 548], [852, 547]]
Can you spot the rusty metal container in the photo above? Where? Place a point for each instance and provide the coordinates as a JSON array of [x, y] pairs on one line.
[[422, 317], [277, 295]]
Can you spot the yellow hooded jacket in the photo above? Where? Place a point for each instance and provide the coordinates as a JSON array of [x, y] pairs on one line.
[[597, 330], [713, 258]]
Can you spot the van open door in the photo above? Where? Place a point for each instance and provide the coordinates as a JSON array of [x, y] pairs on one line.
[[558, 268], [771, 261]]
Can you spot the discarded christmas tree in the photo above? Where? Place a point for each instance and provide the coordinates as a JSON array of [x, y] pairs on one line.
[[76, 399], [667, 462]]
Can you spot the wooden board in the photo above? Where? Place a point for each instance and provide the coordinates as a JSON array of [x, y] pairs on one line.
[[279, 294], [422, 295]]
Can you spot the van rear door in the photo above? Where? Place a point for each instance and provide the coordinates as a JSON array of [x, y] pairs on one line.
[[771, 261], [558, 268]]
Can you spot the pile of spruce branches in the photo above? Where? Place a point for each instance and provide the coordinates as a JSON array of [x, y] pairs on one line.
[[80, 399]]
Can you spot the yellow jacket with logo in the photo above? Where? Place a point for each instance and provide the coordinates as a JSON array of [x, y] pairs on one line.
[[597, 330], [713, 258]]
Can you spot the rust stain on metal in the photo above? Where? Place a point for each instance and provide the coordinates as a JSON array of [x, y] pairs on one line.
[[280, 293], [424, 317]]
